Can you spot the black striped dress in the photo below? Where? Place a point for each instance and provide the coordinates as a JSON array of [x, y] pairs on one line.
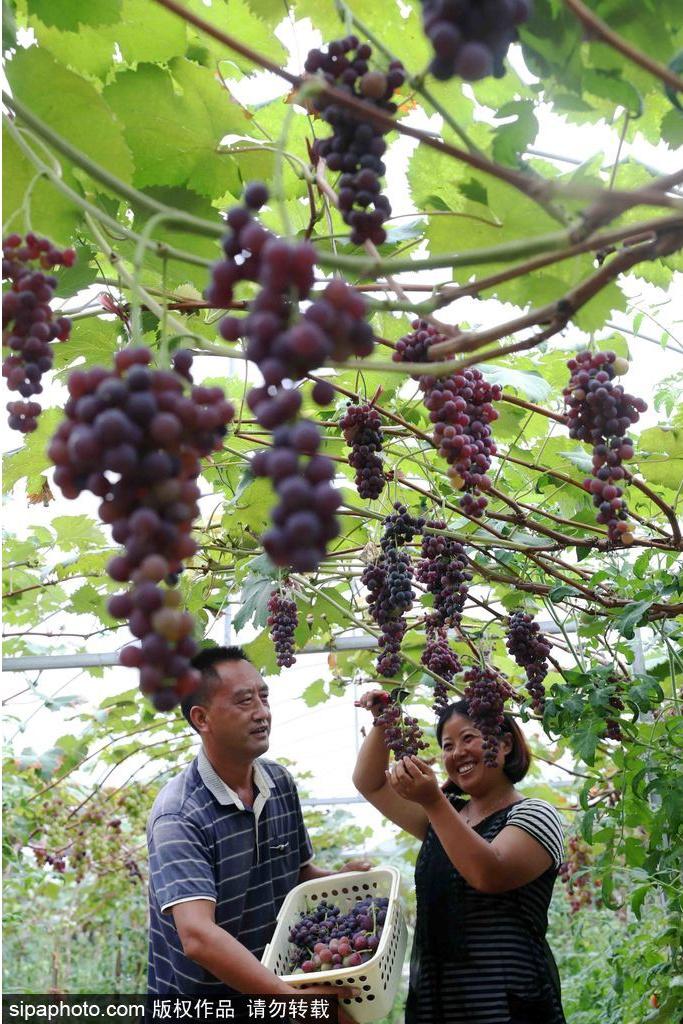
[[482, 958]]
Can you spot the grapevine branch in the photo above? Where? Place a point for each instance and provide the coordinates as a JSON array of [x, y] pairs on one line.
[[598, 28]]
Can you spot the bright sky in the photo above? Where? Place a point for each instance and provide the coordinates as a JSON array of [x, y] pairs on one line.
[[323, 740]]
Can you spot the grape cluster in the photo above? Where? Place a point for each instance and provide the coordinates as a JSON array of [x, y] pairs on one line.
[[576, 874], [28, 324], [613, 726], [460, 407], [438, 657], [283, 619], [388, 580], [471, 37], [304, 519], [362, 429], [400, 527], [414, 347], [530, 649], [402, 733], [485, 695], [600, 412], [325, 939], [443, 570], [134, 437], [285, 346], [356, 146]]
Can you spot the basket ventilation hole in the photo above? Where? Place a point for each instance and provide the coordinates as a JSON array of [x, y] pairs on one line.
[[366, 988], [370, 998], [362, 977]]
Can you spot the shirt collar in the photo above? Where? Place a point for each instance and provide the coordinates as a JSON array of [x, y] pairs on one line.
[[220, 789]]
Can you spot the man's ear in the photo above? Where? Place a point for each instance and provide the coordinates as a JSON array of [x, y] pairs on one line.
[[198, 717], [506, 741]]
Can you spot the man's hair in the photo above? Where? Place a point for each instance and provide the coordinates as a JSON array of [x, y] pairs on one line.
[[517, 760], [205, 663]]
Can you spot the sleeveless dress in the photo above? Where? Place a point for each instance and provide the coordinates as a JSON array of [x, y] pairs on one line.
[[481, 958]]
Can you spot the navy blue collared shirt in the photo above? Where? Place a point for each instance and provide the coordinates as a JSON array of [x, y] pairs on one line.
[[205, 844]]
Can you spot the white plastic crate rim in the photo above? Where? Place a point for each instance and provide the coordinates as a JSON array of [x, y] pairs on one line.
[[379, 977]]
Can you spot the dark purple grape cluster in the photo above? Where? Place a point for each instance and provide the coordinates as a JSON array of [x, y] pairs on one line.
[[134, 437], [286, 345], [304, 519], [460, 407], [414, 347], [439, 658], [613, 726], [362, 429], [325, 939], [400, 527], [600, 412], [388, 580], [356, 146], [471, 38], [402, 733], [485, 698], [283, 619], [29, 327], [530, 649], [443, 570]]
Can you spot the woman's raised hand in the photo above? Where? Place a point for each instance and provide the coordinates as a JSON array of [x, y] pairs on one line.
[[373, 701], [414, 780]]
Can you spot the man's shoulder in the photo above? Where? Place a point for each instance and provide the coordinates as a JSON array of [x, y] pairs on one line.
[[277, 774], [184, 794]]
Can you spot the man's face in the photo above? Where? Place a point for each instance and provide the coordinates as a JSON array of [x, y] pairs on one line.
[[236, 721]]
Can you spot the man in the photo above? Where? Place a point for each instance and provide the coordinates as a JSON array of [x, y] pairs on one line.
[[227, 842]]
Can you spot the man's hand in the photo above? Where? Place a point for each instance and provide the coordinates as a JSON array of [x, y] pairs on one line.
[[355, 864], [414, 780]]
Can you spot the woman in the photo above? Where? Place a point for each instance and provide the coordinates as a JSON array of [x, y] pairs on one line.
[[483, 878]]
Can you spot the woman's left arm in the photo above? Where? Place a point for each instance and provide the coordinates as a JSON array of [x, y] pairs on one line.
[[513, 859]]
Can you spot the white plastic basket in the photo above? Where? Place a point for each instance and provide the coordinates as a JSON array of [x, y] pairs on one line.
[[379, 977]]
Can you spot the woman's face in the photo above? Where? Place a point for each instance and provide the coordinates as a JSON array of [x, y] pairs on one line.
[[463, 756]]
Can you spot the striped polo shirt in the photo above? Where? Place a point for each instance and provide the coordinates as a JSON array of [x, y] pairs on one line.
[[205, 844]]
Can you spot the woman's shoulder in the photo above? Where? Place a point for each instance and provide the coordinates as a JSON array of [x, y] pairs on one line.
[[535, 805], [541, 820]]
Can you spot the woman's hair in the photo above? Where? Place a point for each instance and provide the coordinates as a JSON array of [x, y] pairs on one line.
[[518, 759]]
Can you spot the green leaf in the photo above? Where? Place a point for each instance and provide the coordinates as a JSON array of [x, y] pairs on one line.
[[30, 460], [532, 385], [561, 591], [315, 693], [173, 134], [84, 119], [71, 14], [660, 458], [632, 617], [32, 202]]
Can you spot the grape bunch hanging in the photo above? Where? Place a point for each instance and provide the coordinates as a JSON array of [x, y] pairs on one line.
[[530, 649], [460, 407], [389, 582], [471, 38], [486, 693], [443, 569], [600, 412], [283, 619], [402, 733], [362, 428], [29, 327], [134, 437], [439, 658], [356, 146], [286, 344]]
